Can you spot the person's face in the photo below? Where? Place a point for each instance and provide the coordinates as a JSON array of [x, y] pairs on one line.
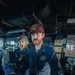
[[37, 38], [22, 42]]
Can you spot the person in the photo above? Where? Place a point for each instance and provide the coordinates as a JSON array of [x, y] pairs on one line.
[[20, 55], [1, 68], [42, 59]]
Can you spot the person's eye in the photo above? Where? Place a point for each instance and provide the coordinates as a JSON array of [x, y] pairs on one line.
[[37, 34]]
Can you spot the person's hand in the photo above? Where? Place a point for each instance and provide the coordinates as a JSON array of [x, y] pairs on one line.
[[21, 58]]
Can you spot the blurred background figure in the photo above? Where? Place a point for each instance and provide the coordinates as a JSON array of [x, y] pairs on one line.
[[1, 67], [19, 55]]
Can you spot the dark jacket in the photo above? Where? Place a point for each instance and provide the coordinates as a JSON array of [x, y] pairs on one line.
[[37, 60], [16, 55], [1, 55], [1, 67]]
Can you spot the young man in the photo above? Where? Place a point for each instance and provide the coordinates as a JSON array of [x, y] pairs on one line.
[[42, 59], [20, 55]]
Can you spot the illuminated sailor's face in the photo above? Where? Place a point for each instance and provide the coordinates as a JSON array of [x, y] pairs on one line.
[[37, 38]]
